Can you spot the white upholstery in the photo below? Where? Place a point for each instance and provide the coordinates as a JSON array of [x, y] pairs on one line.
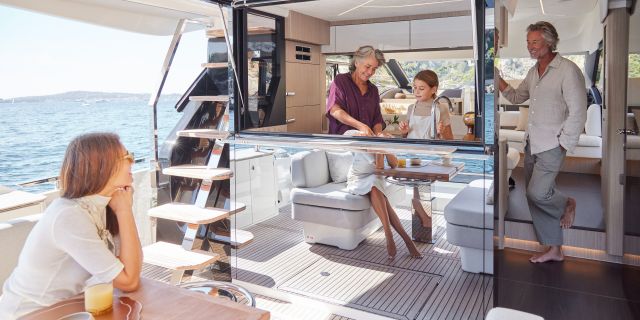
[[329, 214], [339, 163], [13, 234], [513, 157], [593, 125], [470, 226], [510, 314], [509, 118]]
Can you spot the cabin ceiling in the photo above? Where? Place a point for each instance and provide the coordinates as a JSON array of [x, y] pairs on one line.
[[552, 10], [341, 10]]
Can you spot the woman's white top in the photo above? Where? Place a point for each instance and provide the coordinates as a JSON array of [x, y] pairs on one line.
[[65, 252], [421, 126]]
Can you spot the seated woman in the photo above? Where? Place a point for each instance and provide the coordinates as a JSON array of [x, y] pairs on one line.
[[361, 180], [354, 102], [419, 124], [72, 246]]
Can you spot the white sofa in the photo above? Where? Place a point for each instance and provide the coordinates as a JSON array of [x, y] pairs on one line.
[[329, 214], [589, 142], [633, 141]]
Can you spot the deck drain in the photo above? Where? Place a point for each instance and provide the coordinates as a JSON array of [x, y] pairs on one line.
[[325, 274]]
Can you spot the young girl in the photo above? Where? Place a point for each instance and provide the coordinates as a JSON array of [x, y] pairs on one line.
[[420, 120], [72, 246], [362, 180]]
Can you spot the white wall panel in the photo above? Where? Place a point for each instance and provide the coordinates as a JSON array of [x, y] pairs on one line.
[[383, 36], [448, 32]]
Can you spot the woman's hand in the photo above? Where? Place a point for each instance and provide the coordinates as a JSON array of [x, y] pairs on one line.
[[365, 130], [404, 127], [122, 200]]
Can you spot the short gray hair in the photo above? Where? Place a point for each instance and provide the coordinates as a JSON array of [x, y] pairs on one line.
[[365, 52], [548, 31]]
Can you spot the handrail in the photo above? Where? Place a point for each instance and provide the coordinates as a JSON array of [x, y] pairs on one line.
[[55, 179]]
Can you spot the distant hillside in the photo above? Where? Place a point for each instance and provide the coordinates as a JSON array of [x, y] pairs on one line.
[[89, 97]]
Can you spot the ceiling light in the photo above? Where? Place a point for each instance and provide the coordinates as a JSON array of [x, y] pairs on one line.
[[356, 7], [412, 5]]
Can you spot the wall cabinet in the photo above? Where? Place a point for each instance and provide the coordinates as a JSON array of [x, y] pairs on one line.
[[254, 184]]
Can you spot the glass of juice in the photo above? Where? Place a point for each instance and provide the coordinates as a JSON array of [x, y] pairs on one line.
[[402, 163], [98, 299]]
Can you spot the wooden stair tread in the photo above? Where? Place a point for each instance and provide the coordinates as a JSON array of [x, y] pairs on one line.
[[198, 172], [236, 237], [216, 65], [188, 213], [209, 98], [204, 133], [173, 256], [235, 207]]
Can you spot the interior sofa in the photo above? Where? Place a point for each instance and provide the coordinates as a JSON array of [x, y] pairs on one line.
[[13, 234], [512, 125], [329, 214]]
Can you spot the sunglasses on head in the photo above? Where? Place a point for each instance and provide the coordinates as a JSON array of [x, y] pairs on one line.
[[129, 157]]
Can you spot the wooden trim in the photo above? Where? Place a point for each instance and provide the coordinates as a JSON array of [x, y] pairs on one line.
[[402, 18], [615, 74]]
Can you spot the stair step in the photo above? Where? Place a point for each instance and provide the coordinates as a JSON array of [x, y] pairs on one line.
[[188, 213], [235, 207], [216, 65], [204, 133], [173, 256], [198, 172], [209, 98], [236, 238]]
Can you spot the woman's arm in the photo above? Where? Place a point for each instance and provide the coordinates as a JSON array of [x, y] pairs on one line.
[[130, 248], [339, 114], [392, 159]]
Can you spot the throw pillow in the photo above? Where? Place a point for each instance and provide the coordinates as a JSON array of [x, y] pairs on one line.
[[636, 114], [339, 164], [490, 195], [523, 119]]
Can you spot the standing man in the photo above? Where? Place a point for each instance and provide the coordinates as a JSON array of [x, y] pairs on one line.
[[557, 98]]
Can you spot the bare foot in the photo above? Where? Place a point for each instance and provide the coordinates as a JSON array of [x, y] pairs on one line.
[[391, 248], [425, 219], [553, 254], [566, 221]]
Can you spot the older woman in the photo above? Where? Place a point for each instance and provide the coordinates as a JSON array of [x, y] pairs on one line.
[[72, 246], [354, 102]]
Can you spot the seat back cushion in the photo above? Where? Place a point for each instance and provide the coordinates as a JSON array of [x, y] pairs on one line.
[[13, 234], [339, 164], [523, 119], [636, 115], [309, 169], [593, 126]]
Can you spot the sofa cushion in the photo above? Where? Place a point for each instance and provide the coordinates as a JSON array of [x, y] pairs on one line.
[[339, 164], [332, 195], [636, 115], [309, 169], [512, 135], [633, 142], [593, 125], [589, 141], [513, 157], [509, 119], [523, 119], [469, 208], [467, 237]]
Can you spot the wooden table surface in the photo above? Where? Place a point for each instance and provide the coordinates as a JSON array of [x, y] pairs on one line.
[[433, 170], [163, 301]]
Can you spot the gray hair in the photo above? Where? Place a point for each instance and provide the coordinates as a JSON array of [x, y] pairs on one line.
[[548, 31], [365, 52]]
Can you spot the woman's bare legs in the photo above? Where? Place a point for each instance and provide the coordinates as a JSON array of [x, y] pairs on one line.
[[378, 202], [395, 222]]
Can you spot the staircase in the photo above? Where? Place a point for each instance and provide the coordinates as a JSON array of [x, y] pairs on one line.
[[208, 237]]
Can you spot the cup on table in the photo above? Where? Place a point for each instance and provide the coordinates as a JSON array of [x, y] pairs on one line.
[[98, 299], [415, 161], [402, 163], [446, 160]]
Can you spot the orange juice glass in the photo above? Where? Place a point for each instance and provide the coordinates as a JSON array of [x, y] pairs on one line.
[[98, 299], [402, 163]]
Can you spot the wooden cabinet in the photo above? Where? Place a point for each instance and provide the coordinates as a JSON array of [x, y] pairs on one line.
[[308, 119], [303, 84], [306, 28], [304, 87], [254, 184]]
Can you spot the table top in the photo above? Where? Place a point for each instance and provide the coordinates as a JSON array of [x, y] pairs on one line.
[[163, 301], [433, 170]]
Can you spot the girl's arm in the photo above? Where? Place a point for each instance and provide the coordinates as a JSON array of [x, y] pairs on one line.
[[130, 248], [379, 161], [392, 159]]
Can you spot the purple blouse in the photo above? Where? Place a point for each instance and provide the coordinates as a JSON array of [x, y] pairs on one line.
[[364, 108]]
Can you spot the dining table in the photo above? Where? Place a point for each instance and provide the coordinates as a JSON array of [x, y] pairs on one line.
[[157, 300], [416, 175]]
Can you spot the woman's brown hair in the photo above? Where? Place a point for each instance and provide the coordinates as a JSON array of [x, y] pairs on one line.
[[90, 161], [429, 77]]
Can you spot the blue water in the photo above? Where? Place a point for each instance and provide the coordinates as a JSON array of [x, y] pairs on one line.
[[34, 136]]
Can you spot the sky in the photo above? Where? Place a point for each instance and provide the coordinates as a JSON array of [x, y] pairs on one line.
[[41, 55]]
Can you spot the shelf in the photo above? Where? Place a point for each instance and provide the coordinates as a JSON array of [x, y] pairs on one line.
[[204, 134], [236, 238], [198, 172], [188, 213], [215, 65], [173, 256]]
